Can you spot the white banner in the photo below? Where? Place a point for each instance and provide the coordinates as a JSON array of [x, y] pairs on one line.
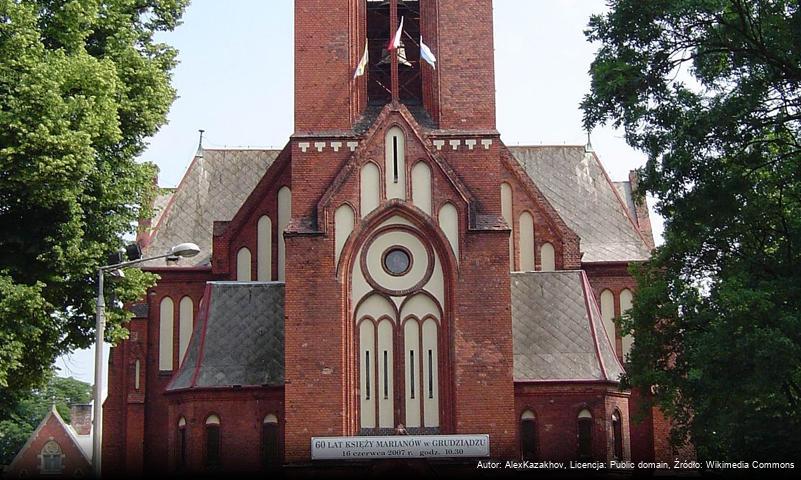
[[399, 446]]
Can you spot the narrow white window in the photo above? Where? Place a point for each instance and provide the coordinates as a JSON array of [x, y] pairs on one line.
[[421, 187], [411, 341], [547, 258], [608, 314], [506, 211], [626, 301], [137, 373], [526, 242], [343, 226], [370, 188], [264, 249], [166, 321], [243, 265], [384, 360], [185, 326], [430, 374], [284, 213], [395, 162], [449, 223], [367, 382]]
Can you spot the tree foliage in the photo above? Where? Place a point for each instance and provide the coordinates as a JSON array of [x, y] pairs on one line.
[[26, 412], [710, 90], [83, 83]]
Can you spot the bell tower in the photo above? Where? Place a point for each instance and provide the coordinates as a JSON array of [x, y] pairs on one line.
[[397, 309], [457, 93]]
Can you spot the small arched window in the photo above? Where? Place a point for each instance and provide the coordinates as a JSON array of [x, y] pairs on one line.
[[617, 434], [51, 458], [584, 435], [181, 451], [212, 441], [547, 258], [528, 435], [269, 441]]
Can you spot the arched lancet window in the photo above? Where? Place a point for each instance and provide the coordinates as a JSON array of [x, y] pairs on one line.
[[421, 186], [449, 223], [506, 211], [243, 265], [626, 302], [367, 373], [166, 321], [264, 249], [528, 435], [395, 166], [344, 220], [270, 453], [186, 323], [370, 188], [608, 315], [585, 435], [213, 441], [51, 458], [617, 434], [547, 258], [181, 450], [526, 242], [284, 214]]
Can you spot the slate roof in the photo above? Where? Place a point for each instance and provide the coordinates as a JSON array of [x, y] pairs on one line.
[[576, 185], [240, 341], [213, 189], [557, 330]]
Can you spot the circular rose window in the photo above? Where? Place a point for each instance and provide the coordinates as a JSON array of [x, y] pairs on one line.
[[397, 261]]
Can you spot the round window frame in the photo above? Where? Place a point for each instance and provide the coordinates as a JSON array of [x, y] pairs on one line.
[[388, 291], [394, 248]]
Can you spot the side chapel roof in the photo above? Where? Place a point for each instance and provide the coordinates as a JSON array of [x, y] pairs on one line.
[[238, 339], [568, 343]]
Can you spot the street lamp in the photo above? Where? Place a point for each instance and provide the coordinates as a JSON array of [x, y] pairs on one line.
[[184, 250]]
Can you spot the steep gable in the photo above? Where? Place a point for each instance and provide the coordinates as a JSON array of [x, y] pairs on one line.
[[577, 186]]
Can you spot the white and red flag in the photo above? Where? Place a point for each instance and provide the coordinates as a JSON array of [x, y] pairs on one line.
[[362, 67], [396, 39]]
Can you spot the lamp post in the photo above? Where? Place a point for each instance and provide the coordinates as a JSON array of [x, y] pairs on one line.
[[184, 250]]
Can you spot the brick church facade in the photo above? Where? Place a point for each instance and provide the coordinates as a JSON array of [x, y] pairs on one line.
[[394, 265]]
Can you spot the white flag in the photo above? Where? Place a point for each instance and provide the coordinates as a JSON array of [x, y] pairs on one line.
[[362, 67], [396, 40], [427, 55]]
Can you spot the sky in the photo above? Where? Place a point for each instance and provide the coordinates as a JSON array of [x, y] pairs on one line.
[[235, 81]]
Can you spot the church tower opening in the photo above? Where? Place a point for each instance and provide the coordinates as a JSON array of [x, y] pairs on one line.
[[380, 31]]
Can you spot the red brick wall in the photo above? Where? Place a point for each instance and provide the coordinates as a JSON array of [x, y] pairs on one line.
[[466, 65], [325, 59], [241, 413], [556, 407]]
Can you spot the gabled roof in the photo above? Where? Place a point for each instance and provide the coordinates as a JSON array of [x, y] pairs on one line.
[[557, 330], [577, 186], [573, 181], [213, 189], [238, 339], [80, 443]]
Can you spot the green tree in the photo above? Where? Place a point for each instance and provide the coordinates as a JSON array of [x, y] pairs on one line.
[[710, 90], [26, 412], [83, 83]]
